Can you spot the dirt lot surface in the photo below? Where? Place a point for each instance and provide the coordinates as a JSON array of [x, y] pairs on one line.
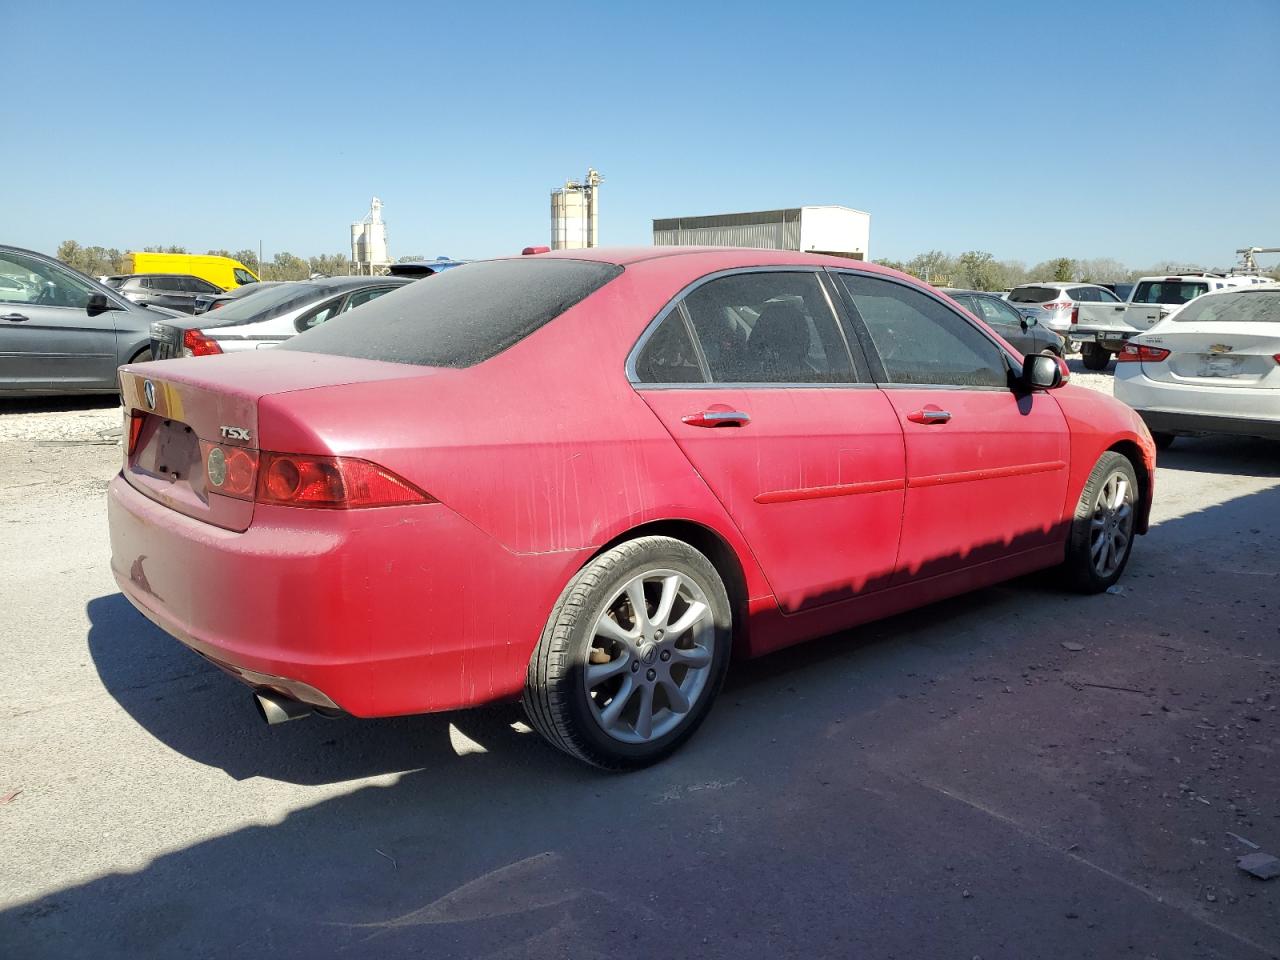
[[1017, 773]]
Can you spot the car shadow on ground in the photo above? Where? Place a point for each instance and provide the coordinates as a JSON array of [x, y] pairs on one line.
[[771, 830], [58, 404]]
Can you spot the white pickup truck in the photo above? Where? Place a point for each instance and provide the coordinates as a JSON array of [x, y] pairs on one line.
[[1102, 329]]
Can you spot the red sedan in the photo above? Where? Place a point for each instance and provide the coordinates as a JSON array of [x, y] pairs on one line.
[[589, 478]]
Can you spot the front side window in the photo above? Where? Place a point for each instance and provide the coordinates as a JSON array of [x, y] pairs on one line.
[[766, 327], [364, 296], [920, 340], [995, 312], [27, 280], [1173, 292]]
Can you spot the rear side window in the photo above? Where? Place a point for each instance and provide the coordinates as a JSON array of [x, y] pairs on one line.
[[668, 356], [1034, 295], [919, 340], [768, 328], [243, 276], [1168, 291], [462, 316]]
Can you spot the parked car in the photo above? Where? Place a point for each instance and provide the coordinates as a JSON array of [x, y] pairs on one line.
[[583, 477], [1211, 367], [1054, 304], [1103, 330], [268, 317], [1025, 333], [173, 290], [62, 332], [423, 268], [219, 300], [223, 272]]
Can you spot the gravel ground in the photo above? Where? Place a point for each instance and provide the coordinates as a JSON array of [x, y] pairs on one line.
[[1016, 773]]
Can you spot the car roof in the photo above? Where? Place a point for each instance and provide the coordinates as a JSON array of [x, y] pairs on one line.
[[623, 256], [337, 283]]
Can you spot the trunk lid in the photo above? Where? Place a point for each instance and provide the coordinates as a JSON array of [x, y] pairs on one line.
[[184, 408], [1228, 355]]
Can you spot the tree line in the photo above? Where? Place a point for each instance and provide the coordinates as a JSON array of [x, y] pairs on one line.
[[979, 270], [107, 261]]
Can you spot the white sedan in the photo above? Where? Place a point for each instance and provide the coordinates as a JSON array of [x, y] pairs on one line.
[[1212, 367]]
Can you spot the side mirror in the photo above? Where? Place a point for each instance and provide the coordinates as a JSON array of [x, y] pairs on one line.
[[98, 303], [1042, 372]]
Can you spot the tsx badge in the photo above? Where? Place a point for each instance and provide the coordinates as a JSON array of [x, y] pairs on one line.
[[235, 433]]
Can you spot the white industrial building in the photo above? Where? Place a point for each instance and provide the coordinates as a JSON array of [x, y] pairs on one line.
[[369, 251], [575, 213], [839, 231]]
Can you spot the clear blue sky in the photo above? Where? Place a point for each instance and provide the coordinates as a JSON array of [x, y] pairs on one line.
[[1143, 131]]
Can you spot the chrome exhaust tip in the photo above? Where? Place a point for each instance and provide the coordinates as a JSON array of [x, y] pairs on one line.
[[276, 709]]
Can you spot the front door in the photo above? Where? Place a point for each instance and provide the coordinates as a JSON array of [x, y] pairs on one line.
[[986, 465], [753, 378], [47, 339]]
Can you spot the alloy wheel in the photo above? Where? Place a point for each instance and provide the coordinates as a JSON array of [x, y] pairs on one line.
[[1111, 526], [650, 657]]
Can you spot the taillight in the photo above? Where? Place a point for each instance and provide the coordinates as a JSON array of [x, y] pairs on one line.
[[1058, 305], [1075, 314], [1276, 358], [196, 344], [135, 429], [335, 483], [230, 471], [1135, 352]]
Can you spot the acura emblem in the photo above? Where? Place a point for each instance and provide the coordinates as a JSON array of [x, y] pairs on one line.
[[149, 393]]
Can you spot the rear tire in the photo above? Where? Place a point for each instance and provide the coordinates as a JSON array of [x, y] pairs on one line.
[[621, 691], [1102, 529], [1094, 357]]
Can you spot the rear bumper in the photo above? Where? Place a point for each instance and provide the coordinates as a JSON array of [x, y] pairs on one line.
[[1113, 340], [1162, 421], [375, 612]]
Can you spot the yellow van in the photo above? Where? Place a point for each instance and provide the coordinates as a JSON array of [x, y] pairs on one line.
[[222, 271]]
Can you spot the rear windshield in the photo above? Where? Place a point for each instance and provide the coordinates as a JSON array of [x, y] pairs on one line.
[[1246, 306], [268, 303], [1034, 294], [462, 316], [1168, 291]]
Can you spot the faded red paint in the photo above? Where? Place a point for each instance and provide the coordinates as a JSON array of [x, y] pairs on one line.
[[837, 512]]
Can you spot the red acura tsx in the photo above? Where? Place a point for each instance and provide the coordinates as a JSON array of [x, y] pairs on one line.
[[588, 479]]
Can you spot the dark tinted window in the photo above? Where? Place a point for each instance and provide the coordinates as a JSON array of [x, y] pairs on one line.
[[1083, 294], [768, 328], [668, 355], [462, 316], [243, 276], [1106, 296], [196, 285], [263, 304], [1034, 295], [920, 340], [1168, 291], [326, 311]]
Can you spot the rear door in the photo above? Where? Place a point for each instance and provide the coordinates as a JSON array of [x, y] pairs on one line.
[[986, 467], [752, 376], [47, 339]]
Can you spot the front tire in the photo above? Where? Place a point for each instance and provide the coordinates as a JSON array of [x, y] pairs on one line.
[[633, 655], [1094, 357], [1102, 529]]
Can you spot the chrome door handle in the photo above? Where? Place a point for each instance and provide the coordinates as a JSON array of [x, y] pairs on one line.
[[14, 317], [718, 418], [929, 415]]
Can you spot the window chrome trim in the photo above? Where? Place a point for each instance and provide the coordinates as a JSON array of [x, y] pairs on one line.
[[677, 301]]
